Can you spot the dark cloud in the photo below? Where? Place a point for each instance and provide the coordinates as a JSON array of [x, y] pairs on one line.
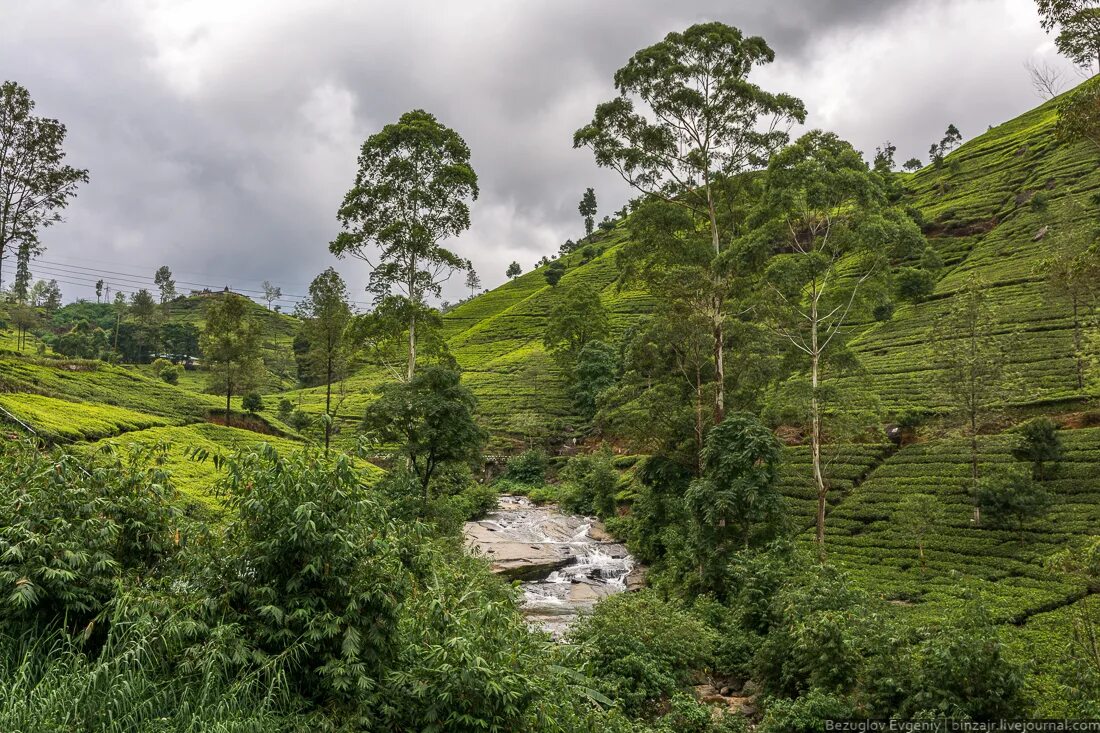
[[221, 135]]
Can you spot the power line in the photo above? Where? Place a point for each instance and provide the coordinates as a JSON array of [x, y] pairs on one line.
[[133, 280]]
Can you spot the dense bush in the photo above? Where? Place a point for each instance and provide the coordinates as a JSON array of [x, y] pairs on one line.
[[252, 403], [70, 532], [527, 468], [960, 671], [170, 374], [1039, 444], [310, 569], [736, 503], [914, 284], [641, 648], [589, 485], [686, 715], [805, 714], [1010, 498]]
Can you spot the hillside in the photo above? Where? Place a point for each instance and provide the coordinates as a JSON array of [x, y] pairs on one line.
[[88, 403], [985, 209], [993, 210]]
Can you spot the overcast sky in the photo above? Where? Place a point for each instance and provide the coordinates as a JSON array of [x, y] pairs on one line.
[[221, 135]]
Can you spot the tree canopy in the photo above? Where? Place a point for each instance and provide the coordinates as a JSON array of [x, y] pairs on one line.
[[412, 191]]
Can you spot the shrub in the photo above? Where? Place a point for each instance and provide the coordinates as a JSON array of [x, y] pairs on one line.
[[883, 311], [310, 569], [1040, 202], [527, 468], [642, 648], [961, 672], [252, 403], [805, 714], [286, 407], [1039, 444], [593, 373], [452, 478], [159, 365], [1010, 498], [931, 260], [300, 420], [589, 485], [913, 284], [686, 715], [479, 501], [553, 273], [820, 633], [170, 374], [71, 528]]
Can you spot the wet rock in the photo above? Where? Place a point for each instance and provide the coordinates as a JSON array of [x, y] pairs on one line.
[[566, 563]]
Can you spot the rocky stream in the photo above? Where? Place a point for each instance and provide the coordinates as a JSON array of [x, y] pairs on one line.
[[565, 562]]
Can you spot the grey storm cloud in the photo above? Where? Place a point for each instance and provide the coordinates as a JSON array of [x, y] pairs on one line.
[[221, 134]]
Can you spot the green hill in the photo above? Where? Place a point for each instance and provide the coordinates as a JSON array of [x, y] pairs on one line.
[[992, 210]]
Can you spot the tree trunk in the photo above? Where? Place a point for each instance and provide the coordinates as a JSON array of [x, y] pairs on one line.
[[815, 427], [414, 303], [1078, 357], [698, 422], [815, 449], [719, 368], [328, 402], [719, 335], [412, 346], [974, 461], [228, 395]]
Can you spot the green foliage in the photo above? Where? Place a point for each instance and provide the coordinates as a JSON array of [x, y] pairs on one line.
[[412, 191], [641, 648], [528, 468], [514, 270], [587, 209], [311, 570], [553, 273], [589, 485], [1077, 23], [594, 373], [821, 633], [53, 685], [468, 662], [805, 714], [35, 184], [68, 533], [1039, 445], [578, 317], [960, 672], [686, 715], [972, 359], [230, 344], [1077, 114], [170, 374], [60, 420], [284, 409], [252, 403], [914, 284], [735, 504], [430, 418], [1010, 498]]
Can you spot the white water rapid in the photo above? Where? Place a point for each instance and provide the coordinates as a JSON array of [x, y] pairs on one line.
[[566, 562]]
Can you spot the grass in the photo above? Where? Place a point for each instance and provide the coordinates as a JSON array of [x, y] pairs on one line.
[[79, 380], [867, 532], [60, 420], [196, 479]]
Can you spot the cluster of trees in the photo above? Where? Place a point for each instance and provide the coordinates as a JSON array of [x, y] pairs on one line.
[[320, 602]]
